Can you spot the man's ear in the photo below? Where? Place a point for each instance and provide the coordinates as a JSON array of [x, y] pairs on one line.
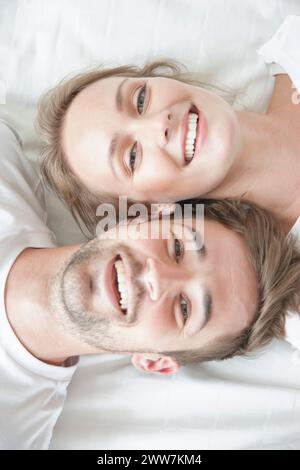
[[155, 363]]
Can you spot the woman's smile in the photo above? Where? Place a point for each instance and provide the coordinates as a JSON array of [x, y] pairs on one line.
[[194, 130]]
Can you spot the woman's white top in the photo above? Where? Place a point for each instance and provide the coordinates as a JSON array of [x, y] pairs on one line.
[[282, 52]]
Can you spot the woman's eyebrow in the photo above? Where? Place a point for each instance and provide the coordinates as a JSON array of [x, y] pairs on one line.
[[119, 95], [112, 152], [116, 137]]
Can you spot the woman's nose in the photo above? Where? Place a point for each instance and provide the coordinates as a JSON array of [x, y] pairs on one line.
[[156, 128]]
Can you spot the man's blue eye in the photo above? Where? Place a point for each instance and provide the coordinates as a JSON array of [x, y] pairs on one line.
[[184, 309], [178, 248], [141, 99], [132, 158]]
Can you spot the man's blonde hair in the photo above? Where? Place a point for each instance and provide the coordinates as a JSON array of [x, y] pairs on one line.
[[275, 259], [52, 109]]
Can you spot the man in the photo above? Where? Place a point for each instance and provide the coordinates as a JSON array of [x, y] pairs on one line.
[[153, 299]]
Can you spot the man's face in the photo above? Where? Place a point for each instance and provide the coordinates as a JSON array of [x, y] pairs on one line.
[[155, 295]]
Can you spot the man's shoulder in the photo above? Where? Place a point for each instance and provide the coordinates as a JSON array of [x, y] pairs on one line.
[[22, 200], [12, 157], [7, 130], [21, 190]]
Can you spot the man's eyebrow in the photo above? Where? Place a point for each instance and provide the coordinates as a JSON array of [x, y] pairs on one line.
[[197, 324], [207, 304]]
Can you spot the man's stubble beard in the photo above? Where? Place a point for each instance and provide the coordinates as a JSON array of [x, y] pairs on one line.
[[93, 328]]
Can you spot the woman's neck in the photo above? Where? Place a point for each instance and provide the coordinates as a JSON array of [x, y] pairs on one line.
[[267, 170]]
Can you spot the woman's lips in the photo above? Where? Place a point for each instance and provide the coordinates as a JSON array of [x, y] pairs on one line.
[[184, 133], [200, 136]]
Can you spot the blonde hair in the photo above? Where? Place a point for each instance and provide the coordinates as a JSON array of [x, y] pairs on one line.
[[52, 109], [276, 262]]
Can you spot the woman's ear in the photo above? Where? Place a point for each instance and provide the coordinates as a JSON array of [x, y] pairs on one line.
[[155, 363]]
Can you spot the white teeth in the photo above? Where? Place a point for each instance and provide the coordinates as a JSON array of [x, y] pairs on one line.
[[193, 116], [121, 281], [192, 125], [191, 136]]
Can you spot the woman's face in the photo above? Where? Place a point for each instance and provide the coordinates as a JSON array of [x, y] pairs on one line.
[[131, 136]]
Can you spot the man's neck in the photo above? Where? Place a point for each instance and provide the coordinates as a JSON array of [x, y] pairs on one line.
[[27, 300]]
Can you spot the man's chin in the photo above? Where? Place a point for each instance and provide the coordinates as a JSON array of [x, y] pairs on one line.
[[76, 289]]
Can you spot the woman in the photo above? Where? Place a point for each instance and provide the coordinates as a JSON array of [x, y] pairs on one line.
[[158, 137]]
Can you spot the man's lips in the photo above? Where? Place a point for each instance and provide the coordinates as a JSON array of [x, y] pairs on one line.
[[110, 280], [201, 132]]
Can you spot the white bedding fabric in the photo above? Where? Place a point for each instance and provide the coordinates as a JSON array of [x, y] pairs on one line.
[[241, 403]]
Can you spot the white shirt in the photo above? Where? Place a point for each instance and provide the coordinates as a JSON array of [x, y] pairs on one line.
[[32, 393], [292, 323], [282, 51]]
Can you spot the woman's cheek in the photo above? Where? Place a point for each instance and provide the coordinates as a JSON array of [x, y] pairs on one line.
[[157, 186]]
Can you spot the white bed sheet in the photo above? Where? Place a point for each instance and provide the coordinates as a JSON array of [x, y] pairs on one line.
[[240, 403]]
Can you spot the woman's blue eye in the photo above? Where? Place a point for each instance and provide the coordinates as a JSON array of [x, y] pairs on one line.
[[132, 158], [141, 99], [184, 309], [178, 248]]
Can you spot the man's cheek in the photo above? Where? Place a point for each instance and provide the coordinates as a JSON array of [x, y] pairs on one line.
[[159, 325]]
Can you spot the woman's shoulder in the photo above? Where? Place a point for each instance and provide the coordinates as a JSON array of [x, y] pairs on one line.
[[283, 98], [282, 53]]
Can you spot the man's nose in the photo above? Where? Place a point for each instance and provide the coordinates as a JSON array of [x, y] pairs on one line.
[[156, 127], [161, 277]]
